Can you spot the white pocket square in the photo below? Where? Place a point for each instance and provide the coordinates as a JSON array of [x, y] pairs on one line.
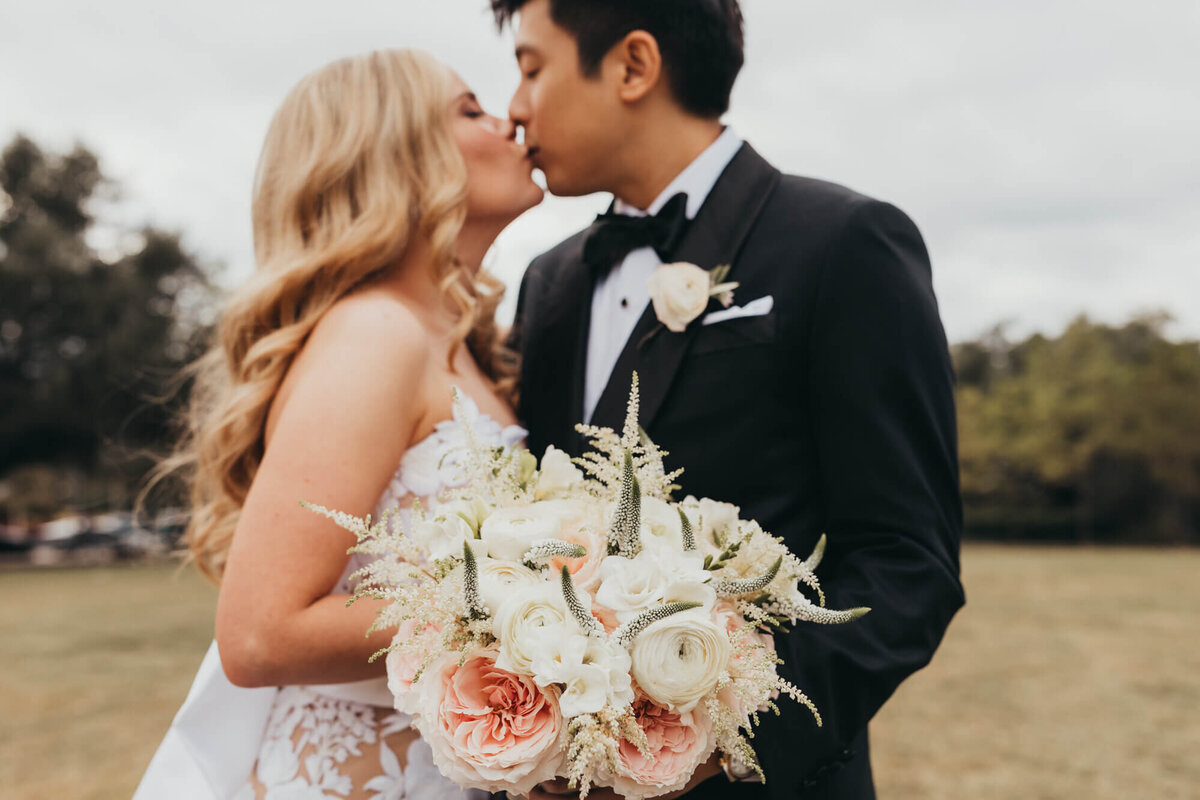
[[755, 308]]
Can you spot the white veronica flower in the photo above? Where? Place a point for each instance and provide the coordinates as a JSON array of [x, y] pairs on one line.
[[593, 672], [556, 475], [525, 622], [510, 532], [678, 660]]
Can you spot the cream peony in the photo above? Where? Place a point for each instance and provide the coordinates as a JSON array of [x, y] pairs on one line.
[[557, 475], [509, 532], [679, 293], [678, 660]]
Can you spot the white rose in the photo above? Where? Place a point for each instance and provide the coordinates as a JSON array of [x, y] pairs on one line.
[[557, 475], [593, 673], [509, 532], [711, 520], [473, 512], [525, 622], [498, 580], [678, 660], [679, 293], [661, 523], [444, 537], [629, 586]]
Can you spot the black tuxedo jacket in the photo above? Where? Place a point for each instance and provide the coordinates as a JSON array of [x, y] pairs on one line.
[[832, 414]]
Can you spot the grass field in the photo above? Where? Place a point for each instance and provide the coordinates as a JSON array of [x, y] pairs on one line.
[[1070, 674]]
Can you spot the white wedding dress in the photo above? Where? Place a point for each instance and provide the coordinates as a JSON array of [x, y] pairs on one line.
[[326, 741]]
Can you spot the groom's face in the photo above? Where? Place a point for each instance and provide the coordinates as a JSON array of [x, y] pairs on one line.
[[572, 122]]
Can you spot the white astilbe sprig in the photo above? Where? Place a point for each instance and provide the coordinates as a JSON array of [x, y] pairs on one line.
[[498, 475], [606, 461], [727, 731], [595, 745]]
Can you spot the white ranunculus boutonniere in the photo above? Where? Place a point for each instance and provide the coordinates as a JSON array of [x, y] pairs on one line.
[[680, 292]]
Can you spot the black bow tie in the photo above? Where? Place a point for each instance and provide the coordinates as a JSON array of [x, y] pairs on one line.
[[614, 236]]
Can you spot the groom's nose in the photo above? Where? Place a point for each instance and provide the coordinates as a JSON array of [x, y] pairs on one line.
[[518, 109]]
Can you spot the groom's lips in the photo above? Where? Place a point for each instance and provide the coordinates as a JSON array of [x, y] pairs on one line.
[[531, 153]]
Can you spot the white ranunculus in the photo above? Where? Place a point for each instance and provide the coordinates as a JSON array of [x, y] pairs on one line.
[[678, 660], [629, 586], [557, 475], [498, 580], [661, 524], [679, 293], [593, 672], [510, 532], [526, 621], [444, 536]]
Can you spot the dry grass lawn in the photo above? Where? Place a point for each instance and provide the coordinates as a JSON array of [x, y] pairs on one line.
[[1070, 674]]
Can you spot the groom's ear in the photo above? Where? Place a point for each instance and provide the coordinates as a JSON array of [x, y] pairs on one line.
[[641, 65]]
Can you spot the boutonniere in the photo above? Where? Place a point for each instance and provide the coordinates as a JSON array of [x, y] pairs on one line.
[[680, 292]]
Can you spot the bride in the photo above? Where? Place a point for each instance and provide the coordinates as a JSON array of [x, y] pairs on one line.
[[381, 185]]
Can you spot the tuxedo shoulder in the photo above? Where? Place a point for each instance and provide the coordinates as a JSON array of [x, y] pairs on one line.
[[567, 250], [832, 207]]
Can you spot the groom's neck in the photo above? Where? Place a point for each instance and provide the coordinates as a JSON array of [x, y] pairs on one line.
[[657, 152]]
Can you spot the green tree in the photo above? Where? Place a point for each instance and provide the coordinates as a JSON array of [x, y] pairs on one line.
[[88, 346], [1094, 435]]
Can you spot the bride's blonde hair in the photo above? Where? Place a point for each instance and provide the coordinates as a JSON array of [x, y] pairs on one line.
[[358, 161]]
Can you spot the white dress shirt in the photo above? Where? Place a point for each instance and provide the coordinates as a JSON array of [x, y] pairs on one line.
[[620, 298]]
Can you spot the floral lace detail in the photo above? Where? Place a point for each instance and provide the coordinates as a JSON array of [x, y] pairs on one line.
[[315, 744]]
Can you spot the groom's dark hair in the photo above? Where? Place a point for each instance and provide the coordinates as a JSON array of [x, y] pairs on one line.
[[701, 41]]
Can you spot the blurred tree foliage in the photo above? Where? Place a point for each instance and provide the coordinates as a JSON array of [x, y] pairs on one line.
[[89, 342], [1092, 436]]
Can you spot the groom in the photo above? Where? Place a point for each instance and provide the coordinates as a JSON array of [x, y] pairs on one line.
[[820, 402]]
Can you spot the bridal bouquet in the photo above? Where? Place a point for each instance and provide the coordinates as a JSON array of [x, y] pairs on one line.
[[567, 619]]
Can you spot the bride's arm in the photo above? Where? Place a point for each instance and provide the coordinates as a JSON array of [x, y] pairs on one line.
[[337, 430]]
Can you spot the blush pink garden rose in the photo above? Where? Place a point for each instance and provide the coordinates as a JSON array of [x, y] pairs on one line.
[[488, 728], [403, 663], [679, 743]]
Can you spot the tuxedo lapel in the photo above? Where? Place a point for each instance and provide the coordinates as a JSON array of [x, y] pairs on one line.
[[713, 238], [563, 353]]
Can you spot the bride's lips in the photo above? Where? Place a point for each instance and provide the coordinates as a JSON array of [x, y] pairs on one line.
[[531, 154]]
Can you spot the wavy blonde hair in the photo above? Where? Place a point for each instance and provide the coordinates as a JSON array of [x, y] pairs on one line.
[[357, 162]]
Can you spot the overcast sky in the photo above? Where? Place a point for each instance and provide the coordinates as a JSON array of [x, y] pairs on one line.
[[1047, 150]]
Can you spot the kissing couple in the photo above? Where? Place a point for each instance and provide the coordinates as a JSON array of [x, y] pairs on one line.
[[818, 398]]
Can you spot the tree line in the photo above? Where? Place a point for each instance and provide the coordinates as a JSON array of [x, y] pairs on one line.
[[1089, 436]]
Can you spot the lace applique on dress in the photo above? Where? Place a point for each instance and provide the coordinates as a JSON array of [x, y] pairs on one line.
[[320, 746]]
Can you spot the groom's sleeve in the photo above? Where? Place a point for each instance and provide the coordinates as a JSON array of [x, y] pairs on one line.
[[882, 409]]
